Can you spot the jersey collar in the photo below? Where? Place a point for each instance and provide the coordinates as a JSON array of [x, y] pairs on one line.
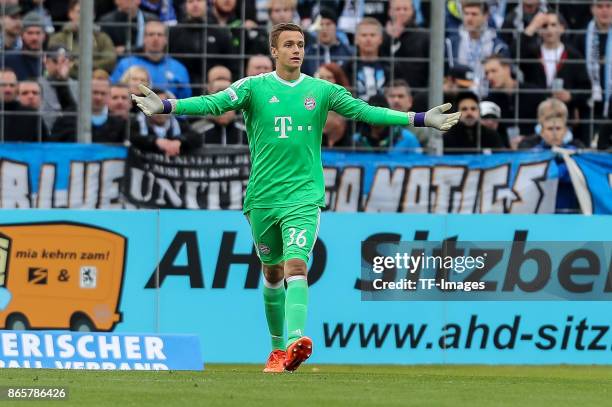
[[284, 82]]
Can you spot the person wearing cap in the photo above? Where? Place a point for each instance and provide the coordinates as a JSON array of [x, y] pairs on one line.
[[490, 115], [457, 78], [470, 135], [104, 55], [10, 35], [28, 63], [327, 48], [59, 90]]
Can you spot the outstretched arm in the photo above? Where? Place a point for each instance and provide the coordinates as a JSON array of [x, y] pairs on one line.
[[233, 98], [341, 101]]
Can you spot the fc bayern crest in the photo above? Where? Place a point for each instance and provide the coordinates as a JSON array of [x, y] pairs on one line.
[[310, 103]]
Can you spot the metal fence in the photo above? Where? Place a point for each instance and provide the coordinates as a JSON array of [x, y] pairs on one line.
[[586, 121]]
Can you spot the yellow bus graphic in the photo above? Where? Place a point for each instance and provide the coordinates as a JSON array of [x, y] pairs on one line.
[[60, 275]]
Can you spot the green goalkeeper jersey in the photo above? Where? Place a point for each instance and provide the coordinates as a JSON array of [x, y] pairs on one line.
[[284, 122]]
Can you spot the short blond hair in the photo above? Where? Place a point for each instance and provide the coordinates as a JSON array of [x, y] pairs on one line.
[[552, 108], [370, 21], [125, 78]]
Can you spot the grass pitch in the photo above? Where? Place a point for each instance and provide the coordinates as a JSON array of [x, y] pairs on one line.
[[328, 385]]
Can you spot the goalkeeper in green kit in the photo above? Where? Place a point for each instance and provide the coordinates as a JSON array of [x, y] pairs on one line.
[[285, 112]]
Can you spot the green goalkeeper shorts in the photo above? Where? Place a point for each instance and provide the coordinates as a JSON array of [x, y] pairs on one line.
[[287, 233]]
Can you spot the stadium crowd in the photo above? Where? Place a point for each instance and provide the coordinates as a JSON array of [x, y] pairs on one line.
[[526, 75]]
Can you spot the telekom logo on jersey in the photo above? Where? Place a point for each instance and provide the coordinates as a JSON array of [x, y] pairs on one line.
[[283, 124]]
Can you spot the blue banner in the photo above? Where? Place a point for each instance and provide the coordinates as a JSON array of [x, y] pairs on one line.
[[196, 272], [597, 170], [99, 351], [61, 175], [414, 183]]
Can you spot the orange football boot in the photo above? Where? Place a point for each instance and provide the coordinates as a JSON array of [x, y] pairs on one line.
[[276, 362], [297, 353]]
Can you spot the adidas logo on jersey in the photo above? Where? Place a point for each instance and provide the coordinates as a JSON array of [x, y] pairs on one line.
[[273, 99]]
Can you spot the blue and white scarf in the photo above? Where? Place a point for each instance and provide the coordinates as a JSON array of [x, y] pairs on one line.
[[592, 61]]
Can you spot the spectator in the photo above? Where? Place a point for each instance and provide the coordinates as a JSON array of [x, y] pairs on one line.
[[164, 70], [552, 128], [60, 92], [38, 6], [196, 41], [28, 63], [224, 13], [134, 76], [105, 128], [29, 94], [475, 40], [368, 74], [390, 138], [490, 114], [336, 132], [515, 100], [17, 122], [469, 135], [333, 73], [404, 42], [281, 11], [399, 97], [162, 133], [126, 25], [577, 13], [552, 132], [163, 9], [457, 79], [559, 68], [120, 102], [258, 64], [224, 129], [604, 140], [10, 35], [524, 14], [328, 48], [217, 73], [278, 11], [104, 56], [596, 46]]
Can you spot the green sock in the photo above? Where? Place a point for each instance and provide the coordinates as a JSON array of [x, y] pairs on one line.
[[274, 305], [295, 309]]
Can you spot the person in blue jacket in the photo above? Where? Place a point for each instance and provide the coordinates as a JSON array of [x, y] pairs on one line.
[[165, 71]]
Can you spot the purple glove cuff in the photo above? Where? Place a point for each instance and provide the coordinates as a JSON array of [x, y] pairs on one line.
[[167, 106], [419, 120]]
